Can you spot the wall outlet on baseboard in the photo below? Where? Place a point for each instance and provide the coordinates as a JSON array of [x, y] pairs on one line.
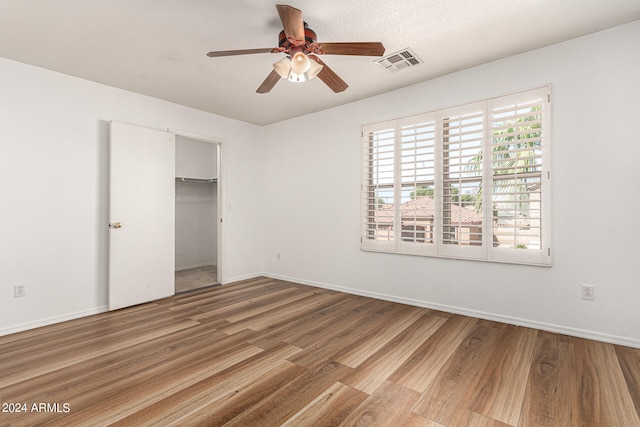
[[19, 291], [588, 292]]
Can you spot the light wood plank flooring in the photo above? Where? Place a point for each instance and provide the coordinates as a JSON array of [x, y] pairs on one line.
[[264, 352]]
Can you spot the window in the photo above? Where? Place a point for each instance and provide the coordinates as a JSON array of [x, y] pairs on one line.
[[470, 182]]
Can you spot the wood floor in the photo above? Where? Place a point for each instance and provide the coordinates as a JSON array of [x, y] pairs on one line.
[[264, 352]]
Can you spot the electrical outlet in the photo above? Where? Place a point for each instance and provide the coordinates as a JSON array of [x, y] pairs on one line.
[[19, 291], [588, 292], [278, 255]]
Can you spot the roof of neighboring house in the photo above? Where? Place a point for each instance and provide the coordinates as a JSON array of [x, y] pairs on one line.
[[423, 208]]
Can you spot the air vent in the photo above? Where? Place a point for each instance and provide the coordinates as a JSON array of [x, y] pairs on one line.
[[400, 60]]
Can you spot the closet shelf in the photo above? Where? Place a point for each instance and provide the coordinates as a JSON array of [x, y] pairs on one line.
[[187, 179]]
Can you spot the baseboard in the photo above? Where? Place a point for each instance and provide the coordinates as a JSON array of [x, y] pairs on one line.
[[84, 313], [565, 330], [51, 320], [581, 333], [240, 278]]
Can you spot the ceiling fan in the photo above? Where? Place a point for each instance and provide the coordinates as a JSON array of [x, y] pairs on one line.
[[298, 42]]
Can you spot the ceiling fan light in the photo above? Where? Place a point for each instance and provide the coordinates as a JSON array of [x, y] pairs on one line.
[[314, 69], [300, 63], [296, 78], [283, 67]]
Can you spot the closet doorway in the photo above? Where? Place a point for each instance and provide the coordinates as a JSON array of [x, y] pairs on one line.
[[197, 199]]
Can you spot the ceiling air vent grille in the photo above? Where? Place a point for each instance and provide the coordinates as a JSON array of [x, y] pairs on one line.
[[400, 60]]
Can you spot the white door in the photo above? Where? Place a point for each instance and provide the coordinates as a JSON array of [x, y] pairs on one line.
[[141, 215]]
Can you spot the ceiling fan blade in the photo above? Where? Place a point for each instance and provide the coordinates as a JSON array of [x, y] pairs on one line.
[[239, 52], [353, 48], [291, 21], [269, 82], [329, 77]]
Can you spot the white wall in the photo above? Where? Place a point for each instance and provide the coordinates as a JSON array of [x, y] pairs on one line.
[[54, 189], [196, 159], [312, 214]]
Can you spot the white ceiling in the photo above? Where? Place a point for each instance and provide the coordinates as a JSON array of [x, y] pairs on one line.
[[158, 47]]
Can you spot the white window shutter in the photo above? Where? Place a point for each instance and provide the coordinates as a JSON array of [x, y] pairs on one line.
[[461, 182], [417, 208], [469, 182], [378, 187], [518, 162]]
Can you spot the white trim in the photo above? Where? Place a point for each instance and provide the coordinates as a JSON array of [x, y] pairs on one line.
[[243, 277], [566, 330], [517, 321], [197, 136], [21, 327]]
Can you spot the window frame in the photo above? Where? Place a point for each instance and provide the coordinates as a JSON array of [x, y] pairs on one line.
[[482, 249]]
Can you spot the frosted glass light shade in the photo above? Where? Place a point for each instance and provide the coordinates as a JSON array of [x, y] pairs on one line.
[[300, 63], [283, 67], [314, 69]]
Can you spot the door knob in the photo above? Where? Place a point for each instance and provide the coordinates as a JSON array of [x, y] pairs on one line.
[[115, 225]]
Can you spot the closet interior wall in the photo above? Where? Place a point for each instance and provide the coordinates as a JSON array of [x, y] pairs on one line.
[[196, 203]]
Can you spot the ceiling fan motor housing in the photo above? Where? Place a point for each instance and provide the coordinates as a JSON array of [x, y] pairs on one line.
[[310, 37]]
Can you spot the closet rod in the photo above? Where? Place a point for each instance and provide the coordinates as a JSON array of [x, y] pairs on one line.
[[207, 180]]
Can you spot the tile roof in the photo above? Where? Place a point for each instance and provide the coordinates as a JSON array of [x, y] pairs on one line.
[[423, 208]]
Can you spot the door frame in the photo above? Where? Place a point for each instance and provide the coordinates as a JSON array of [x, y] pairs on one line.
[[220, 202]]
